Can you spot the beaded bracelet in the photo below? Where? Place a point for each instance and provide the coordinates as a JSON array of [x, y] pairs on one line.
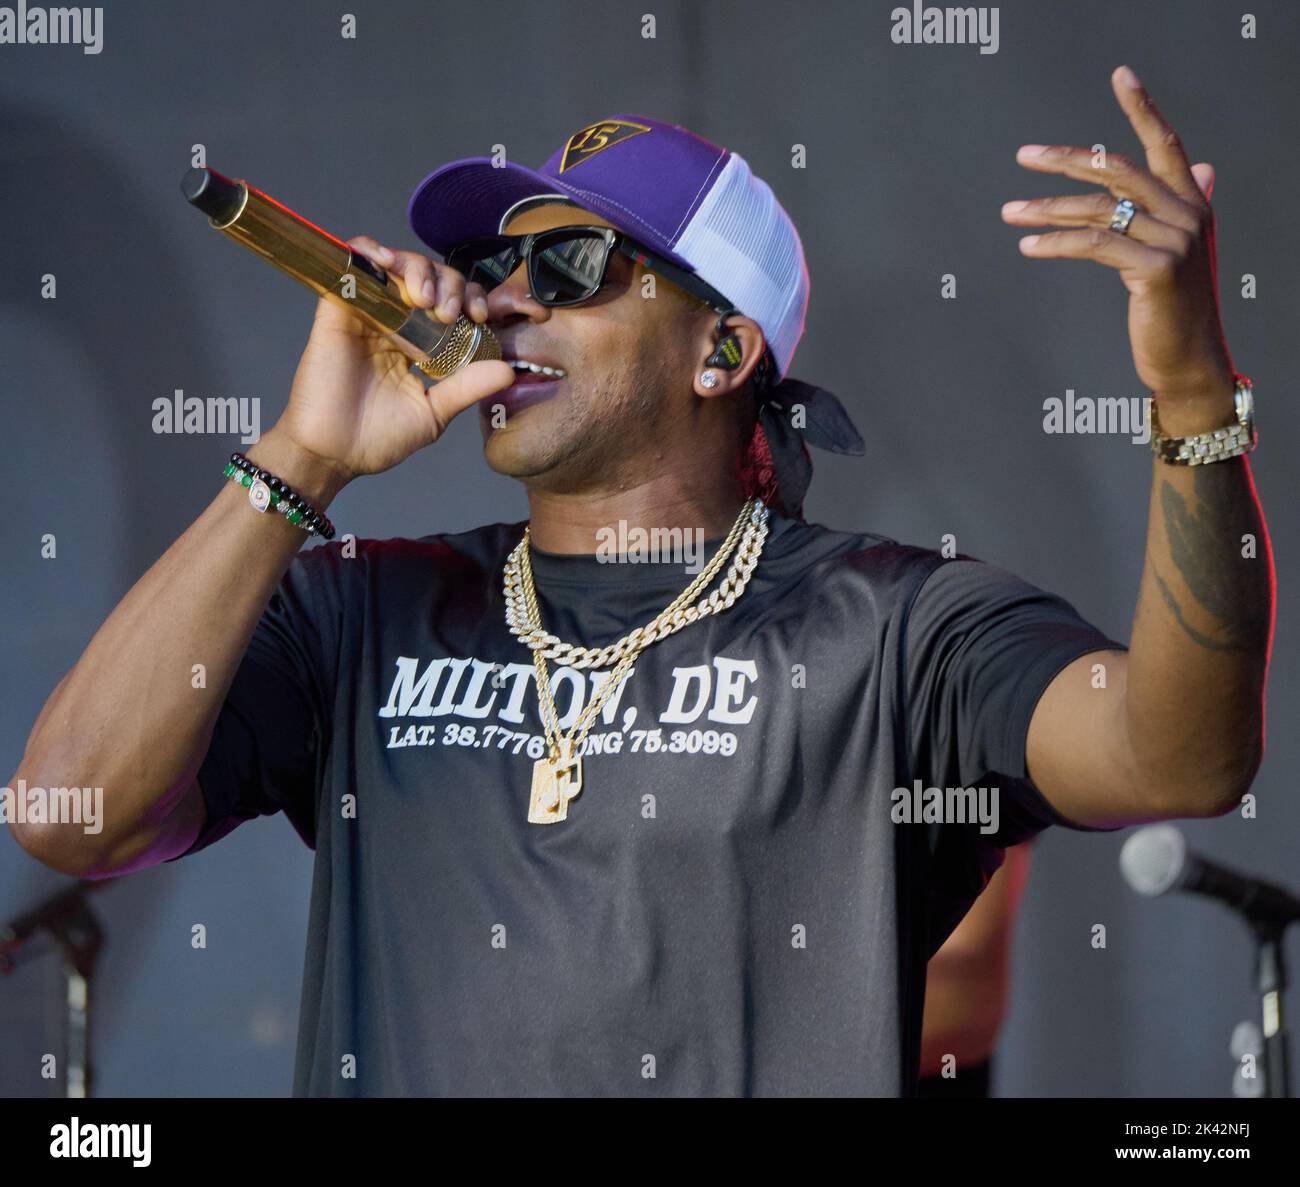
[[266, 491]]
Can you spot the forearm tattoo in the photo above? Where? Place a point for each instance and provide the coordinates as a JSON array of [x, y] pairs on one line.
[[1205, 543]]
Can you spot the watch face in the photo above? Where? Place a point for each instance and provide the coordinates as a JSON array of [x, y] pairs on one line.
[[1245, 401]]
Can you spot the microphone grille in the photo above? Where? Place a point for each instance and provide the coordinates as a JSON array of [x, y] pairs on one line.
[[1152, 859], [465, 342]]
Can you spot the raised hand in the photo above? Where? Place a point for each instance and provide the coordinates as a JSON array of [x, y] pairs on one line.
[[1166, 259]]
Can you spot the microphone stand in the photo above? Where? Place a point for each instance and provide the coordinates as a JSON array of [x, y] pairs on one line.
[[67, 918], [1270, 979]]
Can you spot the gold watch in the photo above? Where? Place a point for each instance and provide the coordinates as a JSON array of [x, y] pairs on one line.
[[1216, 446]]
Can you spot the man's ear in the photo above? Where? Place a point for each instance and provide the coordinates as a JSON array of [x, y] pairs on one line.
[[731, 357]]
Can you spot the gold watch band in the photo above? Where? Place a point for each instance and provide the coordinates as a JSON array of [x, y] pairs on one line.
[[1215, 446]]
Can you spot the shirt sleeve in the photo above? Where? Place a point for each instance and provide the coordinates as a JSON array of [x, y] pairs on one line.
[[272, 734], [981, 647]]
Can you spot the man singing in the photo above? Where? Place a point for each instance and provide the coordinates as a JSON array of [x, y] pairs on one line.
[[652, 828]]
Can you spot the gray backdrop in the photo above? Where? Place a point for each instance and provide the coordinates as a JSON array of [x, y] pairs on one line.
[[910, 154]]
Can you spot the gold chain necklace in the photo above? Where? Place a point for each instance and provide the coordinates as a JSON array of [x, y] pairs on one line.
[[557, 776]]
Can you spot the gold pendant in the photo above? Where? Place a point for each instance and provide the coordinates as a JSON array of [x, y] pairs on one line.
[[555, 782]]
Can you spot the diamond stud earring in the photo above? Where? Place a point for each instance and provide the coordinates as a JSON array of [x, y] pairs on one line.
[[709, 378]]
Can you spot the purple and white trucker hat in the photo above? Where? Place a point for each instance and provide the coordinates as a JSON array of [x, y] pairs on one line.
[[690, 200]]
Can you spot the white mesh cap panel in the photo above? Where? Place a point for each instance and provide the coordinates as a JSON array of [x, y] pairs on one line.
[[744, 244]]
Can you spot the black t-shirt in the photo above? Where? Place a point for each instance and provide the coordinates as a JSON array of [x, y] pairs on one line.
[[736, 904]]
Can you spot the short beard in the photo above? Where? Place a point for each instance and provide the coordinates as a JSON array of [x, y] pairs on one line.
[[610, 439]]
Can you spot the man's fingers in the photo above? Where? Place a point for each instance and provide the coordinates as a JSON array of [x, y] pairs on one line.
[[421, 282], [396, 264], [373, 250], [476, 307], [1092, 210], [1164, 150], [417, 277], [1203, 171], [451, 293], [467, 387], [1102, 246], [1123, 177]]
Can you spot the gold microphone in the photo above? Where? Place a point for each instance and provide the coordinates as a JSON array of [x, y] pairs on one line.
[[329, 267]]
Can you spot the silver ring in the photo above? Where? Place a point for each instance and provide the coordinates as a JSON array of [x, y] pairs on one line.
[[1123, 216]]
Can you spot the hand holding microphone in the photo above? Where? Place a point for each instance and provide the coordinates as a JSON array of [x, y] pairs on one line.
[[354, 397], [356, 404]]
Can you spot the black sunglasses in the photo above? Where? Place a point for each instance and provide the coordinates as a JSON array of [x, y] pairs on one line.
[[567, 265]]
